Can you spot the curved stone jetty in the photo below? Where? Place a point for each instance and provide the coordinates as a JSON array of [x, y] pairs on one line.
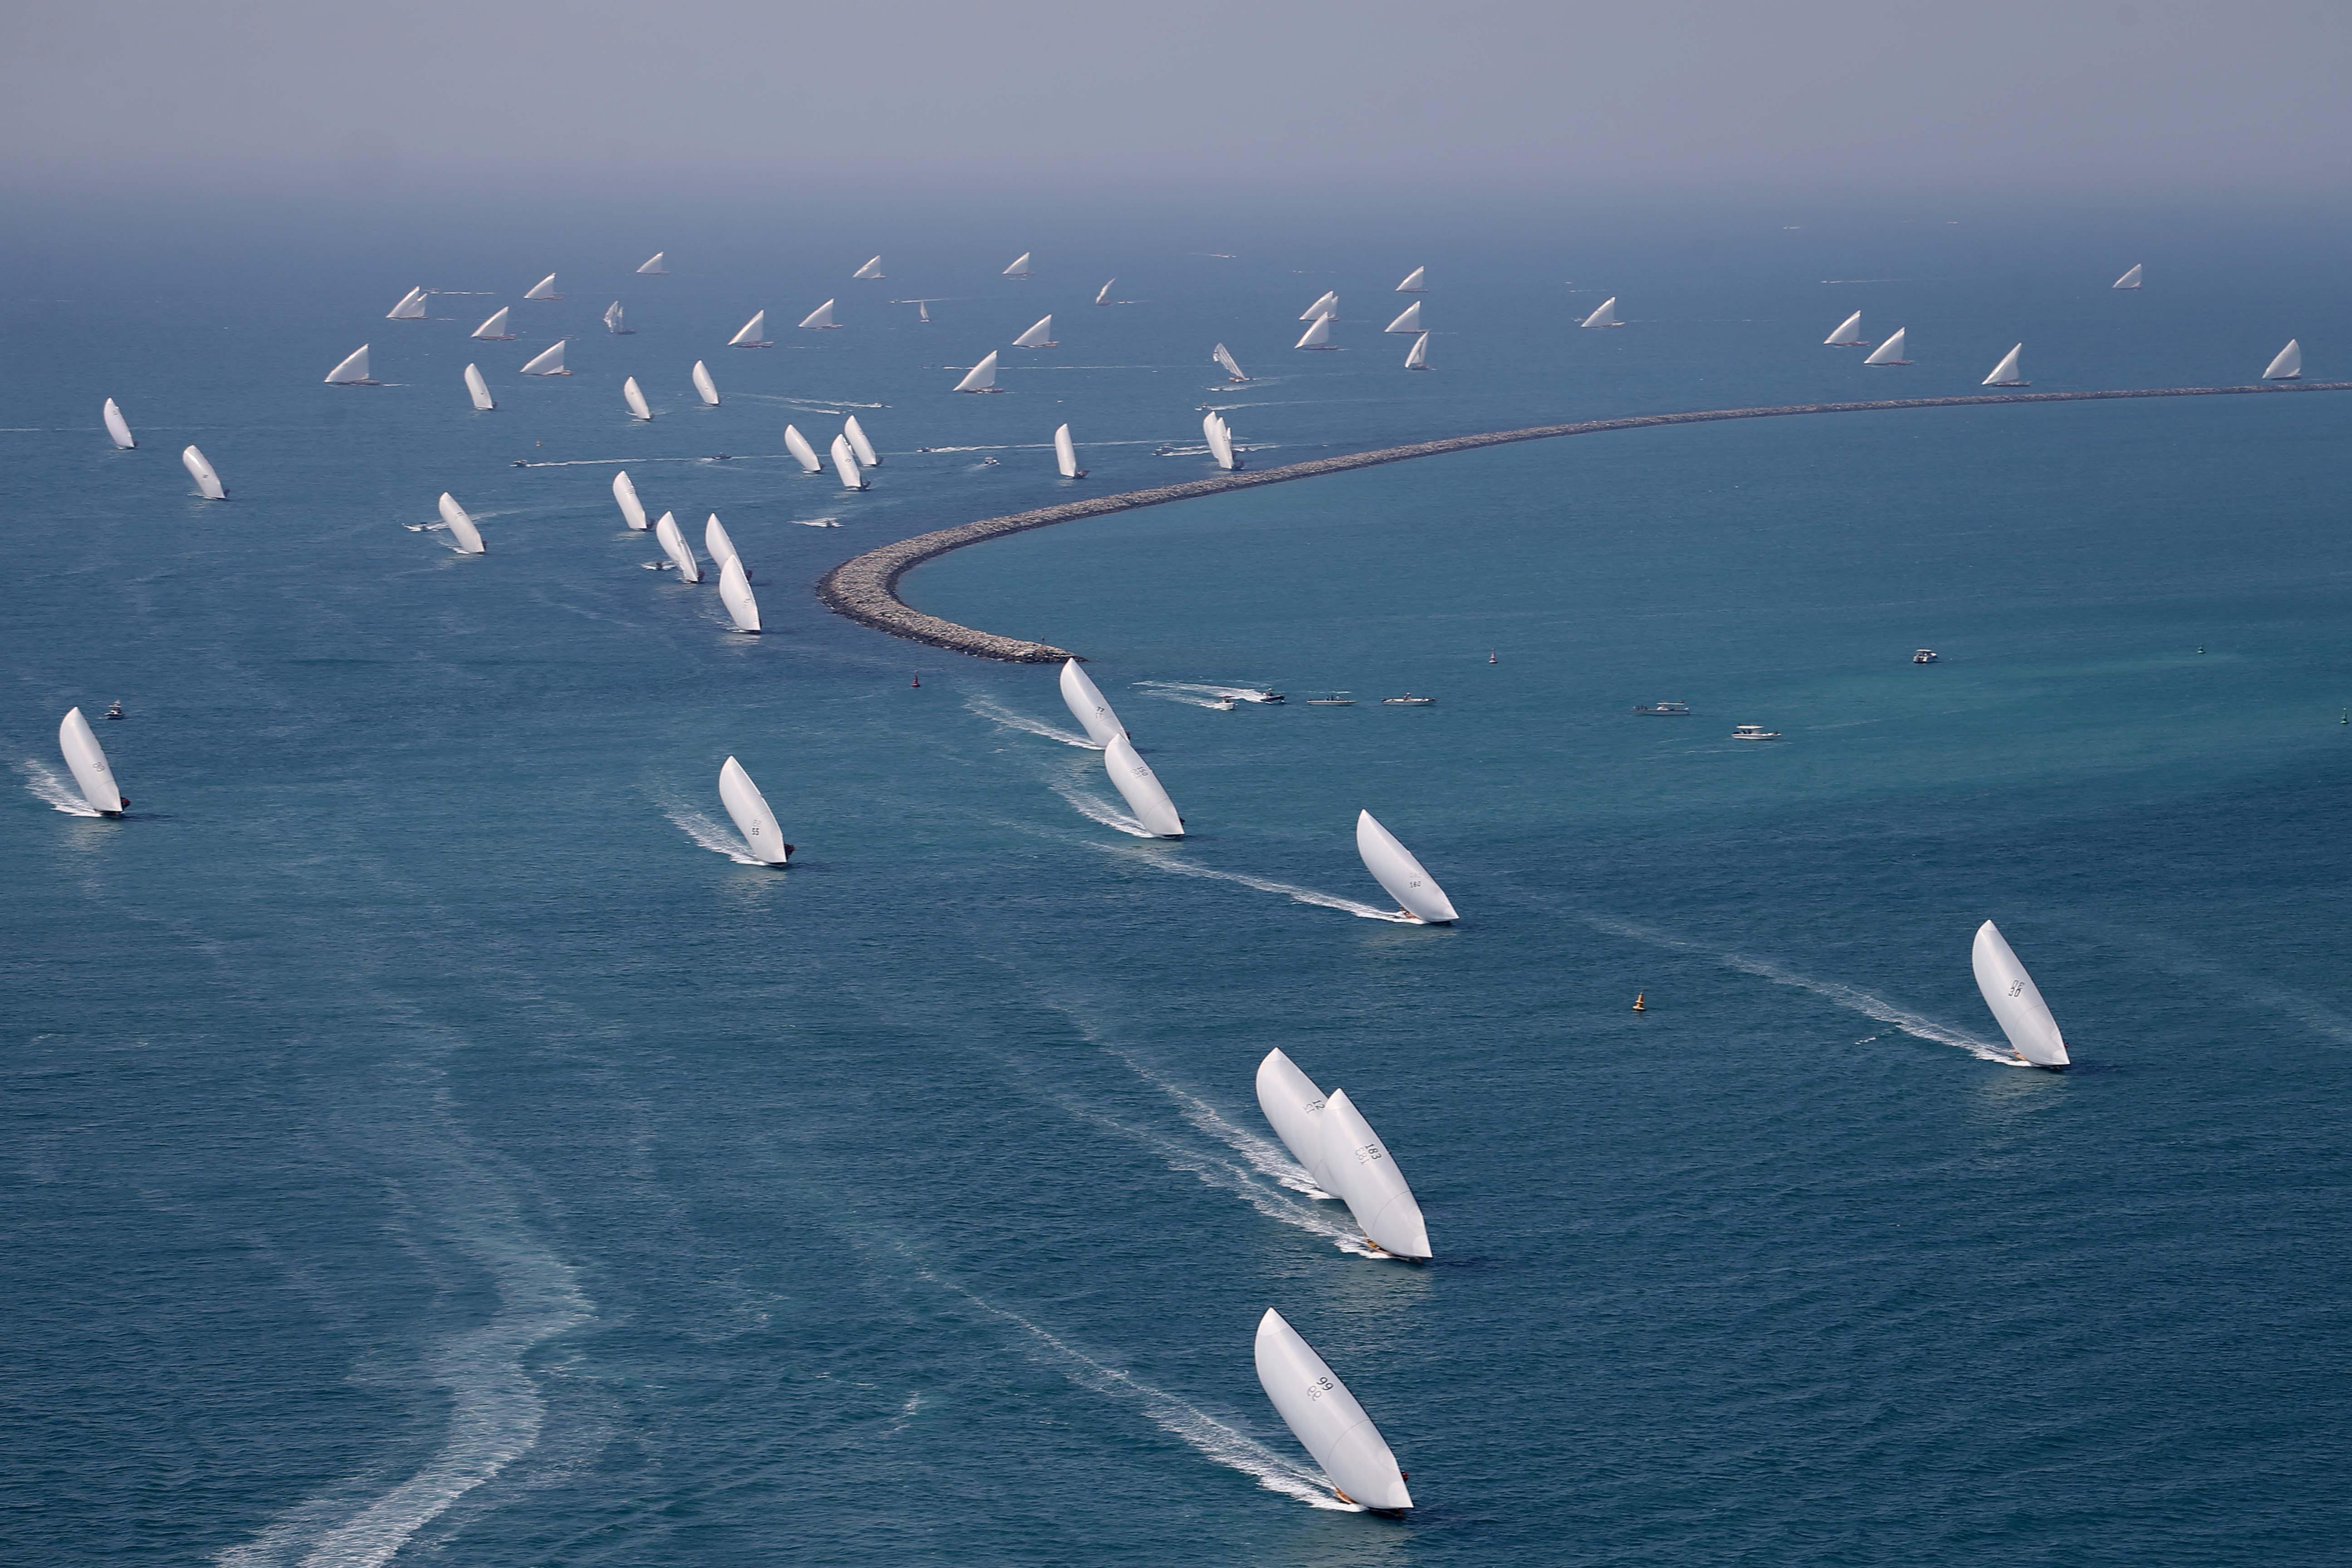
[[865, 587]]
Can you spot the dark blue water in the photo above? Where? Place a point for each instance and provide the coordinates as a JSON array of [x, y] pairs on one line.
[[423, 1143]]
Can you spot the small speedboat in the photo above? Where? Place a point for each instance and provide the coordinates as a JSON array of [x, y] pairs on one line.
[[1255, 695], [1664, 709], [1408, 700], [1925, 656], [1755, 733], [1337, 700], [115, 710], [1223, 705]]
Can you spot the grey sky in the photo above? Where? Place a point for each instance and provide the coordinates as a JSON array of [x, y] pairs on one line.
[[1817, 96]]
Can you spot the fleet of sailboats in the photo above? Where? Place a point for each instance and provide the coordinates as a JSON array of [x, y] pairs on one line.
[[753, 333], [674, 545], [353, 371], [118, 428], [1890, 351], [86, 760], [1392, 866], [2016, 1002], [753, 820], [208, 483], [1606, 316], [2008, 373], [868, 457], [1040, 336], [1065, 455], [704, 386], [497, 330], [410, 309], [478, 390], [633, 397], [545, 288], [1326, 1419], [845, 465], [980, 377], [548, 362], [624, 496], [460, 526], [2288, 366]]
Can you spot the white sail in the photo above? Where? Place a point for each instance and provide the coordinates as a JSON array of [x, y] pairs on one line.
[[1065, 455], [821, 319], [1220, 438], [2008, 373], [1848, 334], [1088, 706], [923, 312], [1326, 1419], [1020, 267], [1408, 321], [719, 544], [868, 457], [635, 397], [1393, 866], [1606, 316], [1358, 1169], [749, 808], [872, 269], [549, 362], [845, 463], [1040, 336], [462, 531], [705, 385], [497, 330], [88, 760], [1140, 786], [1417, 356], [624, 494], [680, 552], [797, 444], [1318, 336], [616, 320], [208, 484], [1890, 351], [543, 289], [2288, 366], [1326, 306], [753, 333], [1294, 1108], [478, 390], [735, 593], [980, 377], [1413, 283], [1102, 295], [2016, 1002], [118, 426], [410, 309], [352, 372], [1224, 356], [653, 267], [2129, 279]]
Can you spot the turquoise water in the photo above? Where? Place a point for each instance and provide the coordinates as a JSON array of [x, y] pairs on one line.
[[423, 1143]]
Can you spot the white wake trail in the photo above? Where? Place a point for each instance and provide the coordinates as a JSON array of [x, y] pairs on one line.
[[1266, 1157], [708, 833], [55, 790], [1296, 895], [995, 712], [1099, 810]]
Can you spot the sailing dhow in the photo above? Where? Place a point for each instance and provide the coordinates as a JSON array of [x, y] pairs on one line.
[[1102, 295], [461, 527], [868, 457], [352, 372], [1326, 306], [821, 319], [88, 760], [1407, 321], [980, 377], [844, 464], [1890, 351], [1294, 1108], [118, 428], [1606, 316], [1393, 866], [719, 544], [753, 333], [2008, 373], [674, 545], [2288, 366], [1088, 706], [549, 362], [543, 289], [1223, 357], [1327, 1420], [705, 385], [1358, 1169], [1220, 437], [1065, 455], [410, 309], [497, 330], [2016, 1002], [749, 808], [1040, 336], [872, 269], [1140, 787], [735, 593], [1848, 334], [1318, 336], [208, 484], [1413, 283], [1020, 267], [616, 321], [653, 267], [633, 397], [1417, 356], [797, 444], [2129, 279], [624, 494], [478, 390]]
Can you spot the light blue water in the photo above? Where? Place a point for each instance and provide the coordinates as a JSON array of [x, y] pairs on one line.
[[422, 1143]]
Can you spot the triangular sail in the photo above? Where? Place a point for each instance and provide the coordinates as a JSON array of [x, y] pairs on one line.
[[496, 330], [2016, 1002], [821, 319], [1413, 283], [705, 385], [753, 333], [549, 362], [410, 309], [2129, 279], [633, 397], [1102, 295], [615, 320], [1407, 321], [980, 377], [624, 495], [674, 545], [1318, 336], [1224, 357], [2008, 371], [462, 531], [1393, 866], [1294, 1108], [868, 457], [208, 483], [1606, 316], [735, 593], [1020, 267], [923, 312], [352, 372], [1326, 1419], [542, 289], [845, 465], [717, 542], [753, 820], [118, 426], [1088, 706], [1220, 439], [1328, 305], [797, 444], [1065, 455], [1890, 351], [1040, 336], [653, 267], [2288, 366], [1417, 356], [478, 390], [1141, 789], [86, 760], [872, 269], [1848, 334], [1368, 1181]]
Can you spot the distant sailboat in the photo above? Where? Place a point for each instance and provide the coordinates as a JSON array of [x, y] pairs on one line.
[[735, 593], [653, 267], [1326, 1419], [1088, 706], [1848, 334], [1220, 437], [980, 377], [821, 319], [2008, 373], [1890, 351], [1224, 357], [797, 444], [870, 271], [1328, 305], [208, 484], [923, 312], [1040, 336], [674, 545], [705, 385], [1413, 282], [624, 494], [2288, 366], [753, 820], [547, 363], [844, 464], [1393, 866], [86, 760], [2016, 1002], [1102, 295], [478, 390], [635, 398], [866, 455], [1020, 267], [118, 428], [1417, 356], [1318, 336], [2129, 279], [410, 309], [545, 288], [616, 321], [1361, 1172], [719, 544], [352, 372], [498, 329], [1606, 316], [461, 527], [1407, 321], [1140, 786], [753, 333], [1065, 455]]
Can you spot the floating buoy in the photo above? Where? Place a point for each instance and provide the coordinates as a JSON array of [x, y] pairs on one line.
[[1640, 1006], [917, 681], [1490, 656]]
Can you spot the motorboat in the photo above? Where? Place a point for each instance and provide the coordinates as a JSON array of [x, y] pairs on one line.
[[1337, 700], [1255, 695], [1408, 700], [1223, 705], [114, 710], [1755, 733], [1664, 709], [1925, 656]]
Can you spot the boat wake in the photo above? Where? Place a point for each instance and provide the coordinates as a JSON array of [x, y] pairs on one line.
[[1095, 807], [1198, 694], [995, 712], [818, 521], [708, 833], [1265, 1157], [1268, 885], [55, 790]]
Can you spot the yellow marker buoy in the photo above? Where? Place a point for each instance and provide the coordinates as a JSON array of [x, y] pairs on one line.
[[1639, 1005]]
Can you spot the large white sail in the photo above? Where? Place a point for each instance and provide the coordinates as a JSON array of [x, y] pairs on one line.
[[821, 319], [624, 495], [1328, 305], [753, 333], [1294, 1108], [410, 309], [2008, 373], [208, 484], [872, 269], [118, 426], [923, 312], [1140, 786], [1848, 334], [1326, 1419], [2129, 279], [2288, 366], [980, 377], [352, 372], [653, 267], [462, 531], [1360, 1170], [633, 397], [548, 362], [844, 464], [498, 329], [1407, 321], [1220, 438], [868, 457], [542, 289], [1102, 295], [1224, 356], [1088, 706], [478, 390], [1318, 336], [1606, 316], [1020, 267], [1417, 356], [2016, 1002], [1393, 866], [616, 321], [1065, 454], [705, 385], [1413, 283], [1040, 336], [735, 593], [749, 808], [88, 760], [1890, 351], [680, 552], [720, 543], [797, 444]]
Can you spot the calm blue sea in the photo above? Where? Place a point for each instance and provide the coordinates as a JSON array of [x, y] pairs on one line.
[[425, 1141]]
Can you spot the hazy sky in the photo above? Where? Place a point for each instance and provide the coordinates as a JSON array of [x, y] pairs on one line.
[[1809, 96]]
